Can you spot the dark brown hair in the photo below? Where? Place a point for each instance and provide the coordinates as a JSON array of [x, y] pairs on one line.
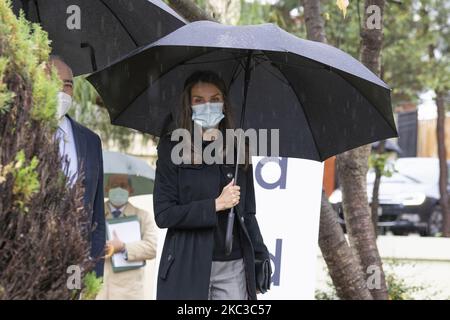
[[184, 120]]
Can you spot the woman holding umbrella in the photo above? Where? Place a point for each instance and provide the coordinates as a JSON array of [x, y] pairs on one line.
[[192, 202], [331, 100]]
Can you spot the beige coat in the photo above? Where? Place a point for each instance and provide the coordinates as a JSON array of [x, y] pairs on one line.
[[129, 285]]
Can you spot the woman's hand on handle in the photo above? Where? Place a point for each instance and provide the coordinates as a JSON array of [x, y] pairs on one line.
[[229, 197]]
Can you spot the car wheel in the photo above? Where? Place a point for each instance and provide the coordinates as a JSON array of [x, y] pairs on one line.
[[435, 222]]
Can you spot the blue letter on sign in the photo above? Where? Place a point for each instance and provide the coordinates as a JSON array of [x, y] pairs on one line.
[[281, 182], [276, 259]]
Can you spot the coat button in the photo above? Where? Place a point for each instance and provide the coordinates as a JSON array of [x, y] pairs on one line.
[[169, 257], [229, 175], [242, 219]]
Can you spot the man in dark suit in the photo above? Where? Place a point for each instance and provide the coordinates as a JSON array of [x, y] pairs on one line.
[[83, 150]]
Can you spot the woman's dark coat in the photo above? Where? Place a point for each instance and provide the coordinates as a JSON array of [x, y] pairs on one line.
[[184, 202]]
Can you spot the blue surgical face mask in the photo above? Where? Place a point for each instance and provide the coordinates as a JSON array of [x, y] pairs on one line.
[[118, 196], [207, 115]]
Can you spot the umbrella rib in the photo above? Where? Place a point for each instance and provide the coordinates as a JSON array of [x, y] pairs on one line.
[[375, 107], [159, 77], [211, 61], [326, 67], [322, 65], [26, 10], [120, 22], [235, 74], [305, 113], [38, 13], [329, 68], [273, 74], [240, 62], [337, 73]]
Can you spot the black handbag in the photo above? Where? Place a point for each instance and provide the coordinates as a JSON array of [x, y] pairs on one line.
[[263, 272]]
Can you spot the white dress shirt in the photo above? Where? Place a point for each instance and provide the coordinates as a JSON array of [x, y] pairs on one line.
[[67, 148]]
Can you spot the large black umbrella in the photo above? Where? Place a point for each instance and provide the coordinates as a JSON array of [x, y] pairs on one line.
[[91, 34], [322, 100]]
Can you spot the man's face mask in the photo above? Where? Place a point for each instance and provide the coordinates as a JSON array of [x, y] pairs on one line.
[[207, 115], [64, 104], [118, 196]]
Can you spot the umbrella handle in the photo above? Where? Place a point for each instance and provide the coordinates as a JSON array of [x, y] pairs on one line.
[[230, 222], [92, 54], [229, 234]]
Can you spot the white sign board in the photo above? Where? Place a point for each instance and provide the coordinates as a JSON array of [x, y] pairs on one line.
[[288, 193]]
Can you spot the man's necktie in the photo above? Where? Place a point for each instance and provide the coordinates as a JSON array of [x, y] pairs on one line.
[[116, 213]]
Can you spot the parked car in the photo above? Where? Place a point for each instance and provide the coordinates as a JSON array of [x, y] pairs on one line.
[[409, 199]]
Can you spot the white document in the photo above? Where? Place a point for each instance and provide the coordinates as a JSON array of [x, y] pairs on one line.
[[127, 231]]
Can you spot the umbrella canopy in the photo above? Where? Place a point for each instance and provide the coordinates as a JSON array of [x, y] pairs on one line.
[[90, 34], [141, 175], [321, 99]]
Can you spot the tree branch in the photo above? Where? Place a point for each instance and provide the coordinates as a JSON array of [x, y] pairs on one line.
[[190, 11]]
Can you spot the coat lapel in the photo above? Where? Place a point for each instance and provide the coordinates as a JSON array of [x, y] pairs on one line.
[[80, 145]]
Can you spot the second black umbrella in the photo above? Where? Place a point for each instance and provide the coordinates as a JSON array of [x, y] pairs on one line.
[[91, 34]]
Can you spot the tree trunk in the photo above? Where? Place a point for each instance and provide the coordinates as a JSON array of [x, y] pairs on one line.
[[372, 39], [225, 11], [190, 11], [441, 94], [376, 185], [352, 170], [345, 271], [375, 203], [443, 169], [315, 29]]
